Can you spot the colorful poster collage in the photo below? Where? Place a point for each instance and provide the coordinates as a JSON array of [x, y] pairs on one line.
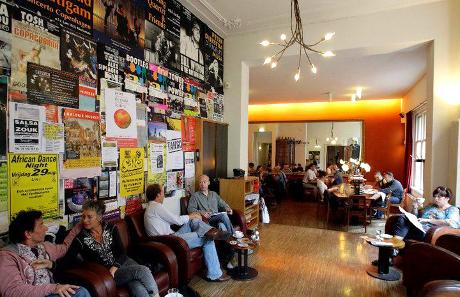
[[106, 91]]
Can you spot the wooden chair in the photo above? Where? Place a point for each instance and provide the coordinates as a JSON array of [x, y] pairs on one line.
[[359, 207]]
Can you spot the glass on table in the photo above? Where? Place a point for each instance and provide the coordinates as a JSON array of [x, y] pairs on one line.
[[173, 292]]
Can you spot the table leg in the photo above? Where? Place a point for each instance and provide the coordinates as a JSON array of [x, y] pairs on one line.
[[384, 260], [383, 270], [245, 262], [243, 272]]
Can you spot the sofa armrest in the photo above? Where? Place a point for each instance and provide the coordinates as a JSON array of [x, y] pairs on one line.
[[441, 288], [153, 252], [238, 219], [424, 262], [94, 277], [435, 232], [450, 242]]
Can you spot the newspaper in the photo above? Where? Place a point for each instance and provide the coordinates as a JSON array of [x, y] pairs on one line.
[[412, 218]]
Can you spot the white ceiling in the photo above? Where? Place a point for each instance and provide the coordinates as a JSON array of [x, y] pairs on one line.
[[385, 75], [263, 14]]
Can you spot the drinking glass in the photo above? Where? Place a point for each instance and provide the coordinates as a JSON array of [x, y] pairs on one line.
[[379, 234], [173, 292]]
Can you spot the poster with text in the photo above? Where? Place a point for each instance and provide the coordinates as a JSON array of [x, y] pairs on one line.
[[25, 133], [3, 196], [33, 183], [53, 138], [202, 98], [174, 181], [136, 71], [6, 16], [191, 106], [31, 44], [158, 80], [131, 171], [82, 139], [213, 60], [121, 24], [81, 190], [188, 134], [191, 44], [46, 85], [174, 154], [157, 131], [74, 14], [111, 63], [121, 118], [109, 154], [218, 108], [3, 112], [156, 172]]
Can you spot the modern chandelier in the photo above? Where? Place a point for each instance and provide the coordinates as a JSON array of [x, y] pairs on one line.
[[297, 39]]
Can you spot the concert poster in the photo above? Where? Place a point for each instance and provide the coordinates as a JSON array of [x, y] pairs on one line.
[[111, 63], [136, 75], [192, 45], [213, 60], [158, 79], [6, 16]]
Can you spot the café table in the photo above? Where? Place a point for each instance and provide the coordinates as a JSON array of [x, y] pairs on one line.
[[383, 270], [243, 272]]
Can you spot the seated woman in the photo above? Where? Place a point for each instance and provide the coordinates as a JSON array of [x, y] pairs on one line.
[[323, 190], [100, 242], [438, 213]]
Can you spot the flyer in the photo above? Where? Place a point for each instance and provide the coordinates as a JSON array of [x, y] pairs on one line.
[[6, 16], [157, 131], [191, 44], [188, 134], [109, 154], [136, 73], [213, 60], [111, 62], [82, 189], [3, 113], [25, 127], [46, 85], [189, 164], [121, 118], [156, 173], [33, 183], [107, 181], [131, 171], [82, 139], [174, 154], [3, 196], [174, 181], [53, 138]]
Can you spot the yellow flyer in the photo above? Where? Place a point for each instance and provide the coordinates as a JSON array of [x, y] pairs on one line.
[[131, 171], [33, 183]]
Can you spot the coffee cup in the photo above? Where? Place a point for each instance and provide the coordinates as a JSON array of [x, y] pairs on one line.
[[238, 234]]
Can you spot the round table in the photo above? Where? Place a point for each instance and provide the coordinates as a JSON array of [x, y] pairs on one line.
[[383, 270], [242, 271]]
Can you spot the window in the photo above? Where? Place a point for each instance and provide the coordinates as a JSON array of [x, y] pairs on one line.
[[419, 151]]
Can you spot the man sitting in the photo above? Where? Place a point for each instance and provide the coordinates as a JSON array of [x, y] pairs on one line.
[[208, 203], [380, 182], [393, 187], [26, 264], [158, 221]]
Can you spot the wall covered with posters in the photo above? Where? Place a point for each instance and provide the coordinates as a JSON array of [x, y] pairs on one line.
[[99, 98]]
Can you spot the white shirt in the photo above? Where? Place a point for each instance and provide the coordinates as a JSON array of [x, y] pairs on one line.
[[158, 220], [322, 187], [310, 175]]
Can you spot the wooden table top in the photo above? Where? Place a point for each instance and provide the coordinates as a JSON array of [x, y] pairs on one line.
[[396, 243]]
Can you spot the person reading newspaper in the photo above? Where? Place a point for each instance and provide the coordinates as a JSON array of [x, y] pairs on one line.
[[439, 213]]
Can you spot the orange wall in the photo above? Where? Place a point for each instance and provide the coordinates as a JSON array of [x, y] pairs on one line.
[[383, 131]]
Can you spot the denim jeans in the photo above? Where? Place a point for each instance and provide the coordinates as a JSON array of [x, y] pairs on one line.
[[193, 232], [137, 277], [404, 228], [222, 222], [80, 292]]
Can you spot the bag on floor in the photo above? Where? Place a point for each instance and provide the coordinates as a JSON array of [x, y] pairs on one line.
[[265, 215]]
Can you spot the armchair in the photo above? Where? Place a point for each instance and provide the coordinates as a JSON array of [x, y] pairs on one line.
[[441, 288]]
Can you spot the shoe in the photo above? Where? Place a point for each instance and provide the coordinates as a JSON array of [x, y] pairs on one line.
[[223, 278], [216, 234], [230, 266]]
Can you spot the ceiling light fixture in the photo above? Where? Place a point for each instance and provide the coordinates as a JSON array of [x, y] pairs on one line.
[[297, 39], [357, 95], [317, 145], [332, 139]]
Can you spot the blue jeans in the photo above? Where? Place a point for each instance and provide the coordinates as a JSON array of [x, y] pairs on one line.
[[222, 222], [138, 278], [404, 228], [80, 292], [192, 232]]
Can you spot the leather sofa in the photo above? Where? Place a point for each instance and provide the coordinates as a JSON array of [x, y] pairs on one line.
[[441, 288], [190, 261], [100, 283]]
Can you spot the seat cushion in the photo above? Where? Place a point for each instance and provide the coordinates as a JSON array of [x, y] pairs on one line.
[[196, 254], [162, 280]]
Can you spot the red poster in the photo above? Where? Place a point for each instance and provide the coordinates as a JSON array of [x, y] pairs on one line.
[[188, 134]]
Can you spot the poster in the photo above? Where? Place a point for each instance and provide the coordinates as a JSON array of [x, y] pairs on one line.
[[175, 106], [46, 85], [78, 192], [108, 185], [162, 33], [174, 154], [142, 129], [120, 23], [31, 44], [53, 138], [111, 63], [213, 60], [136, 71], [33, 183], [79, 56], [218, 108], [189, 164], [174, 181], [121, 118], [6, 16], [210, 105], [74, 14], [3, 113], [202, 98], [82, 142], [157, 131], [25, 133], [109, 154], [191, 88], [188, 134], [174, 124], [157, 158], [3, 196], [131, 171], [191, 45], [158, 80]]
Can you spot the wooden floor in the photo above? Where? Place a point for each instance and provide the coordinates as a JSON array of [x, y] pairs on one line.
[[300, 261]]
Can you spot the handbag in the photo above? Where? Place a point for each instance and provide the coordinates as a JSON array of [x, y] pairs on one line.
[[265, 215]]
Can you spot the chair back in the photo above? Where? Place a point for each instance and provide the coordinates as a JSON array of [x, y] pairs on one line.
[[123, 232], [450, 242], [136, 223], [184, 205]]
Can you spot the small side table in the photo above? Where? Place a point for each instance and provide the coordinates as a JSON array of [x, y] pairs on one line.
[[383, 270], [242, 271]]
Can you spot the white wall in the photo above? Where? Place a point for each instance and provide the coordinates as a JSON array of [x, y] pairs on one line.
[[391, 30]]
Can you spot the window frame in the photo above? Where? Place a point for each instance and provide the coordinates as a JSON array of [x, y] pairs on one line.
[[419, 125]]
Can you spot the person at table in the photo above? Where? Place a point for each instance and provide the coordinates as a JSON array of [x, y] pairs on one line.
[[158, 221], [393, 187], [310, 174], [101, 243], [208, 204], [380, 182], [251, 170], [321, 184], [334, 171], [26, 264], [439, 213], [299, 168]]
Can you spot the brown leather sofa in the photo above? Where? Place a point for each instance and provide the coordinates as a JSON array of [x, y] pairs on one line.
[[441, 288], [100, 283], [424, 262], [190, 261]]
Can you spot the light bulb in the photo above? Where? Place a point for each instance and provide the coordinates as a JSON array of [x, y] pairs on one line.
[[333, 142], [267, 60], [314, 69], [329, 35], [274, 64], [327, 139], [359, 92], [328, 54], [283, 37], [265, 43], [297, 75], [353, 97]]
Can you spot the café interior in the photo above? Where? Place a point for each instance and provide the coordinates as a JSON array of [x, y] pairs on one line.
[[333, 157]]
